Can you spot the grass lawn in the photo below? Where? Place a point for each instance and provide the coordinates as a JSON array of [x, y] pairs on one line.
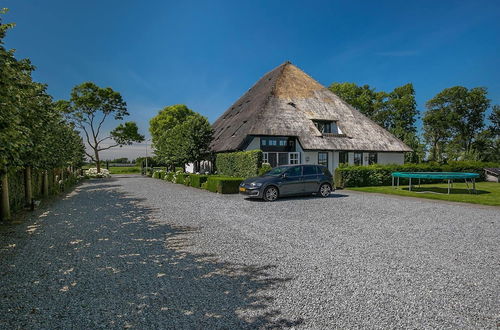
[[124, 170], [488, 193]]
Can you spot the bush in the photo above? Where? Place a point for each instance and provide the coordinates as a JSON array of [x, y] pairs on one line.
[[180, 177], [169, 176], [380, 175], [196, 180], [204, 185], [266, 167], [239, 164], [92, 173], [223, 185]]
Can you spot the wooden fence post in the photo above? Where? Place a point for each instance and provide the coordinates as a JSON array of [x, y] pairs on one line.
[[5, 207], [45, 183], [28, 193]]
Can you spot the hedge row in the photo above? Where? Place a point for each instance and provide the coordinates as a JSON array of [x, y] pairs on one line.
[[17, 199], [213, 183], [243, 164], [380, 175]]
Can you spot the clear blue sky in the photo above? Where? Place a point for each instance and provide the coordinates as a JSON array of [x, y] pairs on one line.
[[207, 54]]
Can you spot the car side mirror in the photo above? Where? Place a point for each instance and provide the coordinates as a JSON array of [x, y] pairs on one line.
[[284, 175]]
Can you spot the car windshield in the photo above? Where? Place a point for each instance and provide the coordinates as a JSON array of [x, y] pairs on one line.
[[277, 171]]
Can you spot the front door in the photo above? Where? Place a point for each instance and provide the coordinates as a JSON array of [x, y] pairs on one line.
[[291, 184]]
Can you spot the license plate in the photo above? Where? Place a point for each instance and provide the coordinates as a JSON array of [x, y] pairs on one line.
[[242, 189]]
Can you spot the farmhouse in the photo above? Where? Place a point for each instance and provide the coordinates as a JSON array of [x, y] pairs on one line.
[[293, 119]]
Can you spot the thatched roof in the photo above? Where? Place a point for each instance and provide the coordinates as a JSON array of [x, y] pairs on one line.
[[284, 102]]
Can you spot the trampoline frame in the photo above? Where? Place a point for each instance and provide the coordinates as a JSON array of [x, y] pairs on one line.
[[450, 176]]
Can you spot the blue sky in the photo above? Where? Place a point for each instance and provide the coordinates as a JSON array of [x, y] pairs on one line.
[[207, 54]]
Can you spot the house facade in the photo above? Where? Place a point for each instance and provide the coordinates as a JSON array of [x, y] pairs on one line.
[[295, 120]]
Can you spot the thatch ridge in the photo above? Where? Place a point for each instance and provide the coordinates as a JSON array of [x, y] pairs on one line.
[[284, 102]]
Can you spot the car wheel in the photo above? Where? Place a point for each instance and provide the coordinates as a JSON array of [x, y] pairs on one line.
[[325, 190], [271, 194]]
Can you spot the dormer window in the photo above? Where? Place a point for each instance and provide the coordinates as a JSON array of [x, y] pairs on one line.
[[327, 127]]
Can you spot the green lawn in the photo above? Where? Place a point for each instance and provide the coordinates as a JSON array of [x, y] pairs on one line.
[[124, 170], [488, 193]]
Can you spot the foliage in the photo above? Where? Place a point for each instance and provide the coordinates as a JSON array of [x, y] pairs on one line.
[[196, 180], [124, 170], [266, 167], [453, 122], [380, 175], [242, 164], [223, 185], [88, 108], [187, 141], [168, 118]]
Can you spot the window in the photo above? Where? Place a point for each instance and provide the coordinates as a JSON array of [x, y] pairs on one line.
[[294, 171], [293, 158], [264, 142], [372, 158], [282, 158], [358, 158], [343, 157], [325, 171], [323, 158], [272, 142], [282, 143], [278, 144], [310, 170], [265, 157], [323, 126]]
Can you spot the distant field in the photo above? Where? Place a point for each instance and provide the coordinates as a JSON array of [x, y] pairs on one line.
[[125, 170], [488, 193]]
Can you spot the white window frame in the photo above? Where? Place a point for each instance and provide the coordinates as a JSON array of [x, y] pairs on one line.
[[265, 157], [293, 157]]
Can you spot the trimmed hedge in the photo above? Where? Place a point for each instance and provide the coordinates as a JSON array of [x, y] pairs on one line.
[[223, 185], [239, 164], [169, 176], [180, 177], [196, 180], [380, 175]]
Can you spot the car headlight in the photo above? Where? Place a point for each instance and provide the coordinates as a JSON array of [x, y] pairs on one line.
[[256, 184]]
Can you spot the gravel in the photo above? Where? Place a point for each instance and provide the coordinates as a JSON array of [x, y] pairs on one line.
[[140, 252]]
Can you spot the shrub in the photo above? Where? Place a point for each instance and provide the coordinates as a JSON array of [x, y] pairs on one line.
[[92, 173], [223, 185], [380, 175], [239, 164], [196, 180], [266, 167], [204, 185], [180, 177], [169, 176]]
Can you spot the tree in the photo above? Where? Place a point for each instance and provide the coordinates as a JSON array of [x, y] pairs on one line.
[[185, 136], [495, 120], [437, 131], [89, 107], [463, 111], [168, 118]]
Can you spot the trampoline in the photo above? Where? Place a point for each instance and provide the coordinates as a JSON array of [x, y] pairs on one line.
[[450, 176]]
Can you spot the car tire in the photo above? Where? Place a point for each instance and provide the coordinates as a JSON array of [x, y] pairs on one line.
[[271, 194], [325, 190]]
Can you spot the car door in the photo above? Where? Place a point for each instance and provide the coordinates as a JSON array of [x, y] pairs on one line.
[[310, 180], [291, 183]]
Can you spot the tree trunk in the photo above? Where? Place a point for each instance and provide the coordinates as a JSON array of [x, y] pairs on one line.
[[97, 162], [28, 193], [45, 183], [5, 198]]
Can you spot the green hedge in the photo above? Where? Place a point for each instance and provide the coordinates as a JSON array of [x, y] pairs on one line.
[[223, 185], [180, 177], [380, 175], [196, 180], [239, 164], [169, 176]]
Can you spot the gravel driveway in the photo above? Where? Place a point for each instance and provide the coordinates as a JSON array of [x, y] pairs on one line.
[[140, 252]]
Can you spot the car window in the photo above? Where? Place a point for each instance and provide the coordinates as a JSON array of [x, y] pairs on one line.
[[309, 170], [277, 171], [325, 171], [294, 171]]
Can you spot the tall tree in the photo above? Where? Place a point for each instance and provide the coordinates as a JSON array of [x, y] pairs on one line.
[[168, 118], [89, 107], [184, 135], [437, 131], [465, 110]]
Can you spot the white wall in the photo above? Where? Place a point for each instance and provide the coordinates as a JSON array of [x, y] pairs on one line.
[[391, 158]]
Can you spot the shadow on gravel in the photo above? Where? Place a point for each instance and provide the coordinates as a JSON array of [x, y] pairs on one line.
[[291, 198], [100, 259]]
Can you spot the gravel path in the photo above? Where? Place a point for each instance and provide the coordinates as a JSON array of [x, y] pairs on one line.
[[139, 252]]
